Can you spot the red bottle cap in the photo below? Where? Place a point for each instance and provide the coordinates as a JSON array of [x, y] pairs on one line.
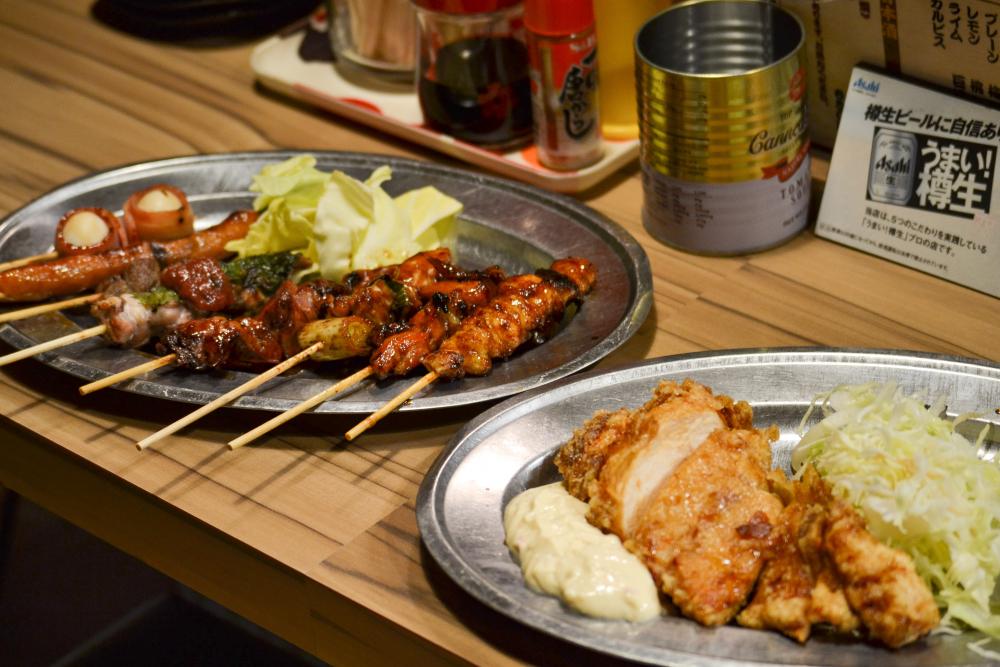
[[558, 17], [465, 6]]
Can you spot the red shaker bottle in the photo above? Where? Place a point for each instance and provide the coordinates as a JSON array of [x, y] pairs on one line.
[[562, 51]]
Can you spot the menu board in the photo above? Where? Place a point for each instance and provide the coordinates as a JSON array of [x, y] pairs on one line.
[[913, 179]]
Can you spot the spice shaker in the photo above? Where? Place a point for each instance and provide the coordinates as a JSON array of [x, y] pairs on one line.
[[562, 50], [472, 70]]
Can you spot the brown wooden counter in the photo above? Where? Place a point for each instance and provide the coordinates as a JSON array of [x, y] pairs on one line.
[[311, 537]]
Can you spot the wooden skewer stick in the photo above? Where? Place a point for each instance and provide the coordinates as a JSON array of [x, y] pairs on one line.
[[52, 344], [397, 400], [127, 374], [13, 264], [229, 396], [277, 421], [24, 313]]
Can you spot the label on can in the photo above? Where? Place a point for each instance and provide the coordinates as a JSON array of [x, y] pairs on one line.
[[892, 167], [728, 218], [564, 99]]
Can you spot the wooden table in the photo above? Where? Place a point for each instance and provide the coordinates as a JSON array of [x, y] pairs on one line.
[[302, 533]]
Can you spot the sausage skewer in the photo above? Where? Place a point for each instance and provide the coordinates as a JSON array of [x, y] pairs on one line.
[[68, 275], [526, 305]]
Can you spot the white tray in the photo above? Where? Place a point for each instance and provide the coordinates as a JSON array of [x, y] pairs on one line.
[[394, 109]]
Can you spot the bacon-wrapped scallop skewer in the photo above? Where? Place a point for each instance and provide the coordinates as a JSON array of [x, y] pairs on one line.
[[526, 306], [448, 302], [157, 213]]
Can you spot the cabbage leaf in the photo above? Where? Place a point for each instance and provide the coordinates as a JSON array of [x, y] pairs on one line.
[[341, 224], [921, 487]]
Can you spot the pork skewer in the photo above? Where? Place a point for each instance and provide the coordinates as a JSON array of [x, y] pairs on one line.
[[399, 353], [525, 307]]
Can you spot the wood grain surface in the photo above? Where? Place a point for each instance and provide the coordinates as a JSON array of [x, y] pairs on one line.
[[301, 532]]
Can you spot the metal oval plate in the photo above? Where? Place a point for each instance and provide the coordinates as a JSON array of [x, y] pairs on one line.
[[517, 226], [510, 447]]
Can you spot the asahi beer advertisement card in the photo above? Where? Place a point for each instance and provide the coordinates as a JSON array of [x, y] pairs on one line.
[[913, 179]]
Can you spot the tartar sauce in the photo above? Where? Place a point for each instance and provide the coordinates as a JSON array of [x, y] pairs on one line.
[[563, 555]]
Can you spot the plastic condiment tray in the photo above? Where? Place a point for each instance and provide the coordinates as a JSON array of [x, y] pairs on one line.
[[299, 64]]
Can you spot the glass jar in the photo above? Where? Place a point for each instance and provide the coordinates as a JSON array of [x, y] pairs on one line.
[[472, 70], [378, 37]]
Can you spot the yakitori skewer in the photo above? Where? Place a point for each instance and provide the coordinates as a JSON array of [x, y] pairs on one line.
[[127, 374], [31, 259], [311, 402], [391, 405], [24, 313], [448, 303], [229, 396], [53, 344], [526, 305]]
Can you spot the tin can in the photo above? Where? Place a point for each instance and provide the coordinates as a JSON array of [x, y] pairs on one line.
[[723, 131], [893, 166]]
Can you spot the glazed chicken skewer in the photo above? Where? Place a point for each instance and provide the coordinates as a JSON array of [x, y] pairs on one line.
[[277, 330], [525, 306], [401, 352]]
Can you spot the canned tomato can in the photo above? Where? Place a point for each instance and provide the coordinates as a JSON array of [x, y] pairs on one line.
[[724, 144]]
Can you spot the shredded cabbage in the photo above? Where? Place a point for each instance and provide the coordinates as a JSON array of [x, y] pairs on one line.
[[921, 487], [341, 224]]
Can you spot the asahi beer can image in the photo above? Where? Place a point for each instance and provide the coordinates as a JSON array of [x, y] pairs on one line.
[[724, 145], [893, 166]]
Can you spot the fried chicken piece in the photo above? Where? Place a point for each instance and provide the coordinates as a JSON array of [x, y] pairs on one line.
[[638, 453], [830, 569], [707, 529], [881, 583], [580, 460], [798, 587]]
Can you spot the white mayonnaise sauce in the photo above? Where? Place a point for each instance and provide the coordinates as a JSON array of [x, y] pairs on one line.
[[563, 555]]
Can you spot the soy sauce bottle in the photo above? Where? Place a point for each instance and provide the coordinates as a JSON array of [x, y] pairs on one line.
[[473, 81]]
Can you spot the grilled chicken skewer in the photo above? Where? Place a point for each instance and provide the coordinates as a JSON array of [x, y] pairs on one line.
[[133, 323], [525, 306], [449, 303], [275, 330]]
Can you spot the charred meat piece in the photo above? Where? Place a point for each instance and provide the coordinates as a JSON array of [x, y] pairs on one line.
[[401, 352], [202, 283]]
